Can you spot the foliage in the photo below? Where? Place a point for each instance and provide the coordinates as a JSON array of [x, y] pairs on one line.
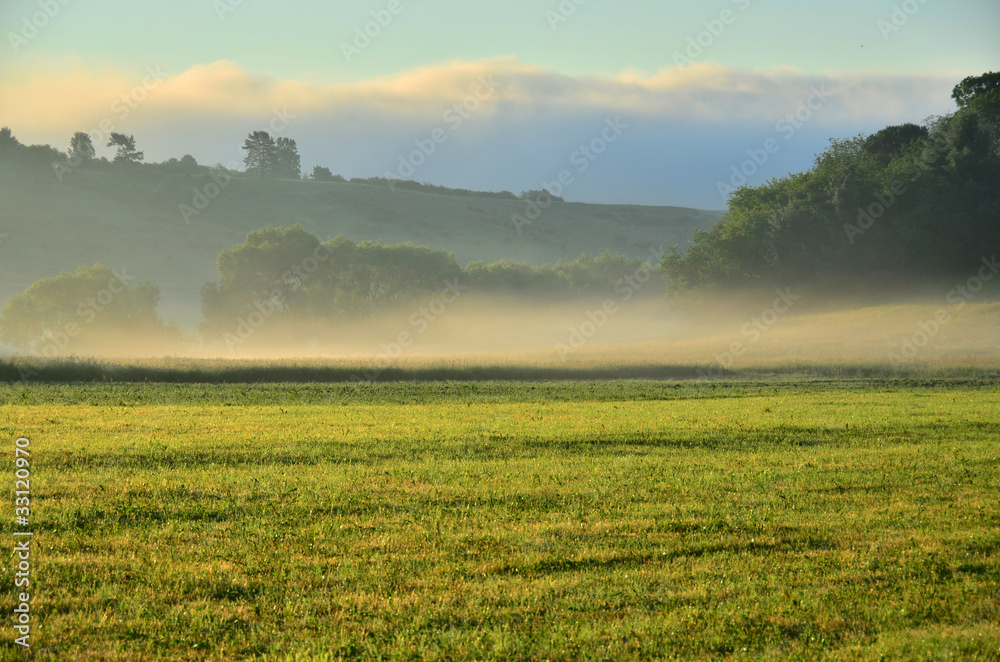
[[287, 164], [906, 202], [539, 195], [186, 165], [983, 94], [288, 273], [8, 142], [67, 312], [127, 153], [583, 276], [893, 141], [323, 174], [81, 148], [261, 158], [270, 157], [28, 155]]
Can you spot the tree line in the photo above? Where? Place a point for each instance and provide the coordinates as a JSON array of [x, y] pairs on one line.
[[909, 203], [288, 273], [288, 276], [265, 156]]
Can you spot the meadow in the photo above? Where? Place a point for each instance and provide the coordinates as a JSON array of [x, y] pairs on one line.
[[771, 518]]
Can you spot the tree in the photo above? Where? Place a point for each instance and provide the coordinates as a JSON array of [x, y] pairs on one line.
[[974, 87], [186, 165], [261, 152], [127, 152], [8, 142], [892, 141], [982, 94], [287, 274], [539, 195], [69, 312], [267, 272], [81, 148], [287, 162], [909, 202], [322, 174]]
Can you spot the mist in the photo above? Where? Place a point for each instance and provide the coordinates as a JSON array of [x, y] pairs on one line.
[[716, 336]]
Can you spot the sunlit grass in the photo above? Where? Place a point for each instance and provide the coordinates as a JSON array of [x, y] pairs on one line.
[[596, 520]]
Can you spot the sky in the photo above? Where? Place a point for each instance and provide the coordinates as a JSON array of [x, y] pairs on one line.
[[638, 101]]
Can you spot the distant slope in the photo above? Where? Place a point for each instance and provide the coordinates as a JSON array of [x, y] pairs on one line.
[[132, 219]]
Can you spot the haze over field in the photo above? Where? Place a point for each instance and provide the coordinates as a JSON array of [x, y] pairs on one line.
[[643, 336], [857, 169]]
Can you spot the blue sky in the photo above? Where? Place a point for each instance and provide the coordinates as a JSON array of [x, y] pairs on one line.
[[227, 66]]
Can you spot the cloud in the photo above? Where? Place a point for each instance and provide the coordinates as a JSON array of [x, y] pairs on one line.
[[688, 126], [60, 98]]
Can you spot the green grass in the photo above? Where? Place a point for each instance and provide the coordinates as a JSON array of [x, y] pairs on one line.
[[591, 520], [131, 218]]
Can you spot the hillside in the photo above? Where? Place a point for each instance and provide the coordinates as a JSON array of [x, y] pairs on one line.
[[132, 219]]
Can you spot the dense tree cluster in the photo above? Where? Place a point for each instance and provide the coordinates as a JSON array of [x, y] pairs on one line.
[[69, 313], [11, 149], [269, 157], [908, 202], [288, 273], [323, 174]]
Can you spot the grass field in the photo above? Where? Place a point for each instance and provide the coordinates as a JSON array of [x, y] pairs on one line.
[[821, 519]]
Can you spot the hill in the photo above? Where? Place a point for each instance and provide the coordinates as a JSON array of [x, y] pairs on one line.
[[132, 219]]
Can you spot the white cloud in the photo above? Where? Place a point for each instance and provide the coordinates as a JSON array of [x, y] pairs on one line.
[[688, 125], [57, 98]]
